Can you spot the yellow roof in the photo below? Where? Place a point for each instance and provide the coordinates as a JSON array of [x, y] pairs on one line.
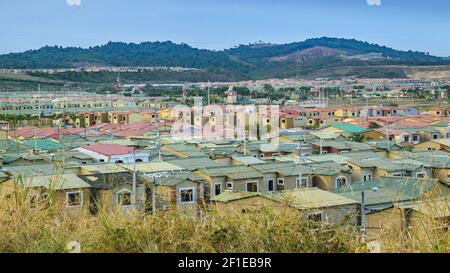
[[443, 141], [103, 168], [311, 198], [157, 166], [436, 208]]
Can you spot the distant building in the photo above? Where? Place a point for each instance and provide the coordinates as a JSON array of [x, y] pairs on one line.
[[231, 96]]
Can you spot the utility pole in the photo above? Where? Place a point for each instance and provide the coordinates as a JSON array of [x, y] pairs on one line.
[[209, 98], [159, 145], [153, 177], [154, 196], [35, 141], [363, 217], [320, 141], [300, 169], [388, 137], [134, 178], [39, 105], [245, 142]]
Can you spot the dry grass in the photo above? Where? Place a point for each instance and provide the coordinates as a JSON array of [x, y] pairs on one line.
[[48, 229]]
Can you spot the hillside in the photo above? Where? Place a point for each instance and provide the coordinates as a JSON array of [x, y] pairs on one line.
[[254, 61]]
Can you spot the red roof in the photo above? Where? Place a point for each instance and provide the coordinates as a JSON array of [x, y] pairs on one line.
[[109, 149]]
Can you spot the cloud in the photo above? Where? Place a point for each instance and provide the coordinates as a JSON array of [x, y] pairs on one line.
[[374, 2], [73, 2]]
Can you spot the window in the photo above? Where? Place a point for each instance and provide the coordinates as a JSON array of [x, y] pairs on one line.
[[124, 198], [217, 189], [74, 199], [280, 181], [270, 185], [397, 174], [341, 181], [229, 185], [421, 175], [415, 138], [261, 155], [316, 217], [251, 186], [187, 195], [406, 138], [367, 177], [435, 136], [303, 183]]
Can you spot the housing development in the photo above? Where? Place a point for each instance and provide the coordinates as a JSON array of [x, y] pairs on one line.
[[373, 167], [115, 139]]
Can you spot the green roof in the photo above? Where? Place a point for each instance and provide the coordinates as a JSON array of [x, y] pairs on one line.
[[30, 169], [345, 145], [338, 158], [436, 159], [9, 158], [9, 146], [247, 160], [385, 190], [176, 178], [124, 142], [373, 160], [289, 168], [440, 124], [195, 163], [56, 182], [233, 172], [325, 135], [45, 144], [348, 128]]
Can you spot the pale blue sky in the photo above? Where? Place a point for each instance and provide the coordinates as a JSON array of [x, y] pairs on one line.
[[217, 24]]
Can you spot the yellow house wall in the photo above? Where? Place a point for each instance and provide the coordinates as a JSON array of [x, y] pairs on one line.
[[427, 146]]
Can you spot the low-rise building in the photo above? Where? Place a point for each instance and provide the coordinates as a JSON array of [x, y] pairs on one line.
[[114, 153]]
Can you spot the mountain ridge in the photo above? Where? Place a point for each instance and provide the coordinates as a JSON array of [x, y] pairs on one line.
[[248, 61]]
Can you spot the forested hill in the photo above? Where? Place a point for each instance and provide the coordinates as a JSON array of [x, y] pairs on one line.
[[247, 61]]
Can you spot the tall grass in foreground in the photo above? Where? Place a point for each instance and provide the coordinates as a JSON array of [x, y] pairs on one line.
[[46, 228]]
